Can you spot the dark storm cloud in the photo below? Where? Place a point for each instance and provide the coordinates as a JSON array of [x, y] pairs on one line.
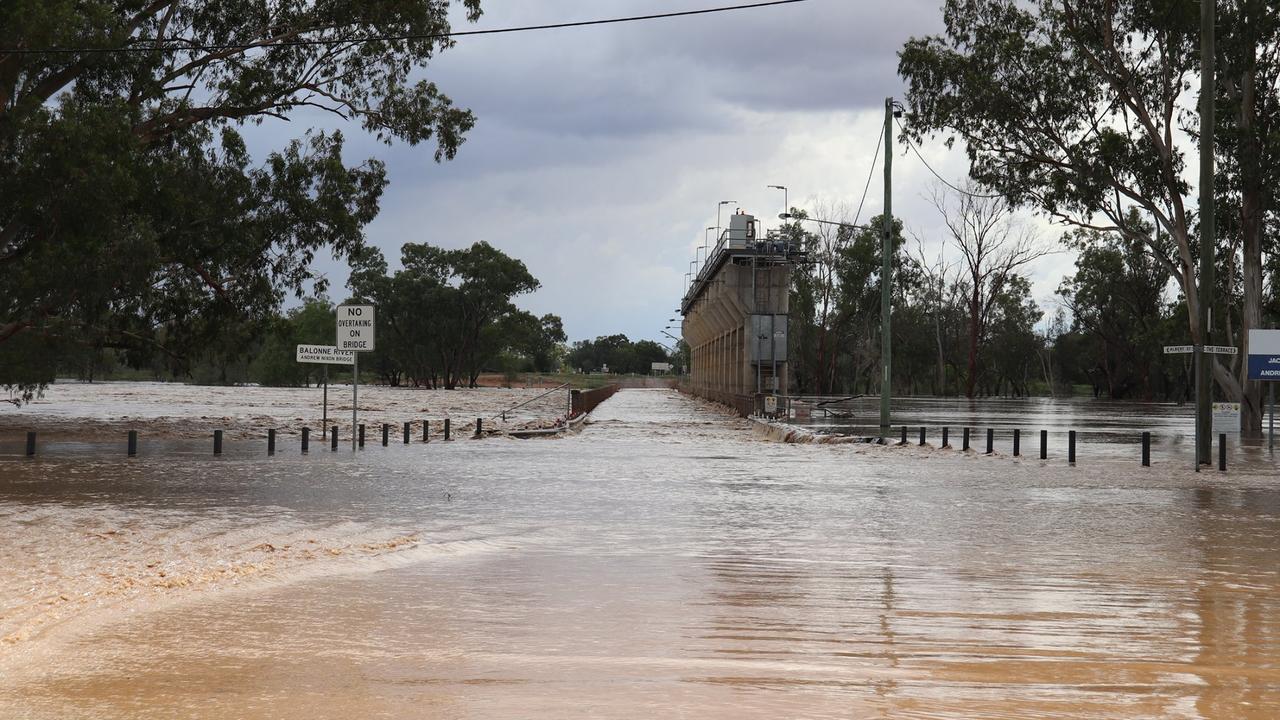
[[821, 54], [600, 153]]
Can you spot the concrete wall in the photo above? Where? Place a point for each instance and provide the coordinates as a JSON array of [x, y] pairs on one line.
[[584, 401], [717, 327]]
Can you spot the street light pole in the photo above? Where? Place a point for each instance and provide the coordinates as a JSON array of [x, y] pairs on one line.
[[886, 275], [786, 204], [722, 204]]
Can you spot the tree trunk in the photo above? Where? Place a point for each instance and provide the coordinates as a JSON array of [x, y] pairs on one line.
[[1251, 204]]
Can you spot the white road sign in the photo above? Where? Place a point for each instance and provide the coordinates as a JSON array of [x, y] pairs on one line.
[[1226, 417], [1211, 349], [355, 327], [325, 355]]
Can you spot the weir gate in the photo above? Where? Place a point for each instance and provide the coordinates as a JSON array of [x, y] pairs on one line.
[[735, 319]]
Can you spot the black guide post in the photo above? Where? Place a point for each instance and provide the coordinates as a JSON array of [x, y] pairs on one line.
[[922, 436], [965, 442], [1017, 442], [446, 428], [31, 444], [1071, 447], [271, 441], [904, 435], [407, 425], [386, 432], [1044, 444], [944, 438], [1146, 449], [333, 443], [1222, 451], [133, 443], [306, 439], [991, 441], [360, 437], [479, 426], [217, 442], [426, 430]]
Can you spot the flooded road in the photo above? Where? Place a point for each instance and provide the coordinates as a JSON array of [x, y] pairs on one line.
[[662, 563], [1105, 429]]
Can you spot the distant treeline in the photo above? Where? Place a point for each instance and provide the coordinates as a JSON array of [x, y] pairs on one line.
[[618, 354], [442, 320]]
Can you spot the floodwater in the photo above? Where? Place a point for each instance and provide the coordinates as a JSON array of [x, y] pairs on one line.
[[1105, 429], [662, 563]]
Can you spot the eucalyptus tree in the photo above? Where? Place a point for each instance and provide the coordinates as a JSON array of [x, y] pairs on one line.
[[993, 246], [128, 199], [446, 313], [1082, 110]]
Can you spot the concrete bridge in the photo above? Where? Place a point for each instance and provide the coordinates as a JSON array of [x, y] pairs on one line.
[[735, 318]]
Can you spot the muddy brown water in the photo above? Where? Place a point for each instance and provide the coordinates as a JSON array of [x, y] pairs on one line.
[[1105, 429], [662, 563]]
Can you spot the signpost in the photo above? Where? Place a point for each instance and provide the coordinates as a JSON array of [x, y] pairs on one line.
[[1212, 350], [326, 355], [1264, 364], [355, 334]]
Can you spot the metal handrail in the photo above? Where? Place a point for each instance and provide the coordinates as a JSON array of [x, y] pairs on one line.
[[503, 414]]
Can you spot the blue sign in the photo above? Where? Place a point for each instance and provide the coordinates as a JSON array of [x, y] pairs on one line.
[[1264, 367]]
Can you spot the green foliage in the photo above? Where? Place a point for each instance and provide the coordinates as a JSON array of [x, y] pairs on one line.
[[132, 217], [1028, 86], [276, 362], [1120, 319], [448, 314], [835, 319]]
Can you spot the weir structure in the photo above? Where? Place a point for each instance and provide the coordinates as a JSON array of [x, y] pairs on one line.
[[735, 319]]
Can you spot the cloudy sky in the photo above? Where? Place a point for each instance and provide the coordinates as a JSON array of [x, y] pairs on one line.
[[600, 153]]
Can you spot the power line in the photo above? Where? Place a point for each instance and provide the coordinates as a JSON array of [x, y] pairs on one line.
[[185, 46], [935, 172], [870, 174]]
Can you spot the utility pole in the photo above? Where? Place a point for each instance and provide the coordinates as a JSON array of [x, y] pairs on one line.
[[886, 273], [1208, 234]]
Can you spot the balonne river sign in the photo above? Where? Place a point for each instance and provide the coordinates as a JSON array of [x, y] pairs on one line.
[[325, 354]]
